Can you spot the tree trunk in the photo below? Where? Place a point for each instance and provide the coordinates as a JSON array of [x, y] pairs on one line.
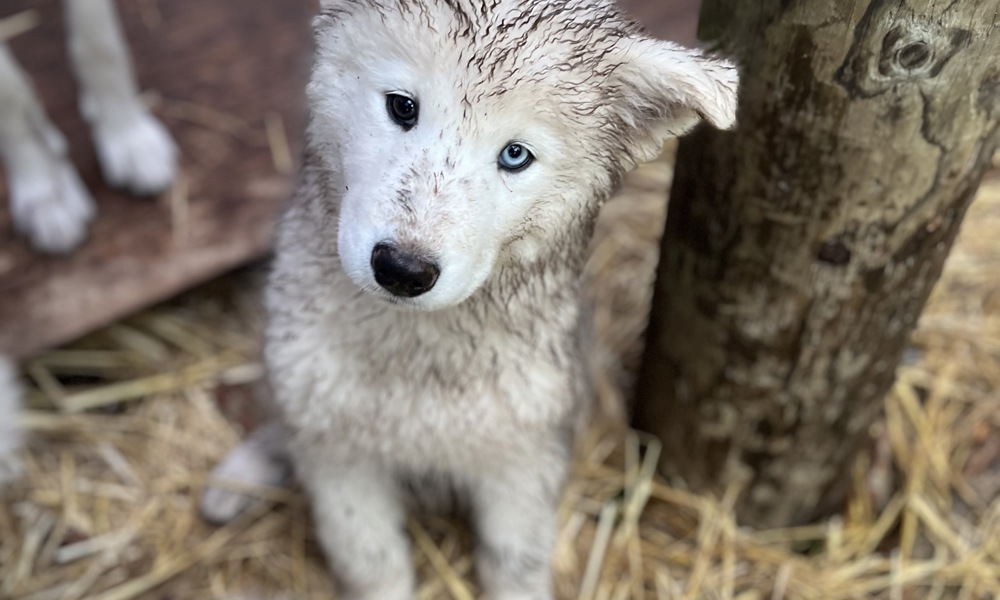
[[800, 249]]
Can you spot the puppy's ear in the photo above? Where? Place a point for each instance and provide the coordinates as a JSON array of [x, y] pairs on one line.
[[665, 89]]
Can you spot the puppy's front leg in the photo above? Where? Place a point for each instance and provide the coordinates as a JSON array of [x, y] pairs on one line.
[[515, 522], [360, 520], [260, 459]]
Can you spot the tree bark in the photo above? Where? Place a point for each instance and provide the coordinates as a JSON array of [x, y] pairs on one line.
[[800, 249]]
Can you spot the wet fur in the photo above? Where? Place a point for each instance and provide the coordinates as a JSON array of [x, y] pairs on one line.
[[471, 395]]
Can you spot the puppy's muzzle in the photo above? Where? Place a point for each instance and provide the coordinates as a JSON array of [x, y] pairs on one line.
[[402, 274]]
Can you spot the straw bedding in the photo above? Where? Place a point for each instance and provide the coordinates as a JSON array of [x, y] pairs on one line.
[[127, 422]]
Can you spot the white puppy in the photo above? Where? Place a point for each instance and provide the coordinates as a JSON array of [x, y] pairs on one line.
[[426, 337]]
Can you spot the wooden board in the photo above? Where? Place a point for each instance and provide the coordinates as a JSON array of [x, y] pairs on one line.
[[675, 20], [220, 68]]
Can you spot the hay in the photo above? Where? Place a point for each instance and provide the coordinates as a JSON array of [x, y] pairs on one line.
[[128, 421]]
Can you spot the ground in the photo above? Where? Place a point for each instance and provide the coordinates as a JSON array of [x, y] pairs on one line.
[[127, 421]]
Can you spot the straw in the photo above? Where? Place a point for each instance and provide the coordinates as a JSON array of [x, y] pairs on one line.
[[128, 422]]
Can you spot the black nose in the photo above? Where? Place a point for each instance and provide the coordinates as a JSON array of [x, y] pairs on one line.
[[402, 274]]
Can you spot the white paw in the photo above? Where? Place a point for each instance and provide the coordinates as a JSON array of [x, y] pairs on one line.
[[50, 206], [136, 152], [245, 464]]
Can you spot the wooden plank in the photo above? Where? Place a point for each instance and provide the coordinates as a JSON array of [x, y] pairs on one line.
[[220, 67], [675, 20]]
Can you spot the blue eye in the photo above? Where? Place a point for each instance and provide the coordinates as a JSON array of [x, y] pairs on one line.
[[515, 157]]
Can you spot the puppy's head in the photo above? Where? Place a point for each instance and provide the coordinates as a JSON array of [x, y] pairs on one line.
[[464, 135]]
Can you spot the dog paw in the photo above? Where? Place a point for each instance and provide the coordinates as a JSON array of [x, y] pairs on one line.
[[51, 207], [248, 466], [135, 151]]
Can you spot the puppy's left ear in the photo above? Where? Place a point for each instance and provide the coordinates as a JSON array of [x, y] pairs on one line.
[[665, 89]]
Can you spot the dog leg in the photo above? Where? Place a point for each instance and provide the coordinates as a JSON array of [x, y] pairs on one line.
[[360, 518], [514, 517], [259, 460], [11, 436], [48, 203], [135, 150]]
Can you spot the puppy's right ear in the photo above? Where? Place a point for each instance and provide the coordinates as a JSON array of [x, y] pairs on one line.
[[664, 90]]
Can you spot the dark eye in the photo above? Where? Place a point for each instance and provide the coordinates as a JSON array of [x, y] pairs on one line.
[[403, 110], [515, 157]]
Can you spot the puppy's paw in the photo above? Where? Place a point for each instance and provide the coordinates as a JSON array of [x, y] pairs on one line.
[[135, 151], [51, 207], [248, 465]]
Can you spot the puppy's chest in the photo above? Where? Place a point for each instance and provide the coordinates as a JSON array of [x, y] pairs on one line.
[[439, 391]]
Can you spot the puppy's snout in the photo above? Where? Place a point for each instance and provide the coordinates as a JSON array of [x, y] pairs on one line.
[[401, 273]]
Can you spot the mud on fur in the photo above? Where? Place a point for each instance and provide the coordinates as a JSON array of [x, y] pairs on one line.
[[425, 338]]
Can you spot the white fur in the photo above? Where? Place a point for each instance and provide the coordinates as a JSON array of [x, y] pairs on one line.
[[258, 461], [49, 204], [11, 436], [135, 150], [472, 391]]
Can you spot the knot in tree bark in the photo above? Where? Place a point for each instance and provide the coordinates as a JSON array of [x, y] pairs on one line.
[[917, 49], [834, 252], [892, 44], [913, 56]]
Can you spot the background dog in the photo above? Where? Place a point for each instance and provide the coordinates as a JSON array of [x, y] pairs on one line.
[[49, 204]]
